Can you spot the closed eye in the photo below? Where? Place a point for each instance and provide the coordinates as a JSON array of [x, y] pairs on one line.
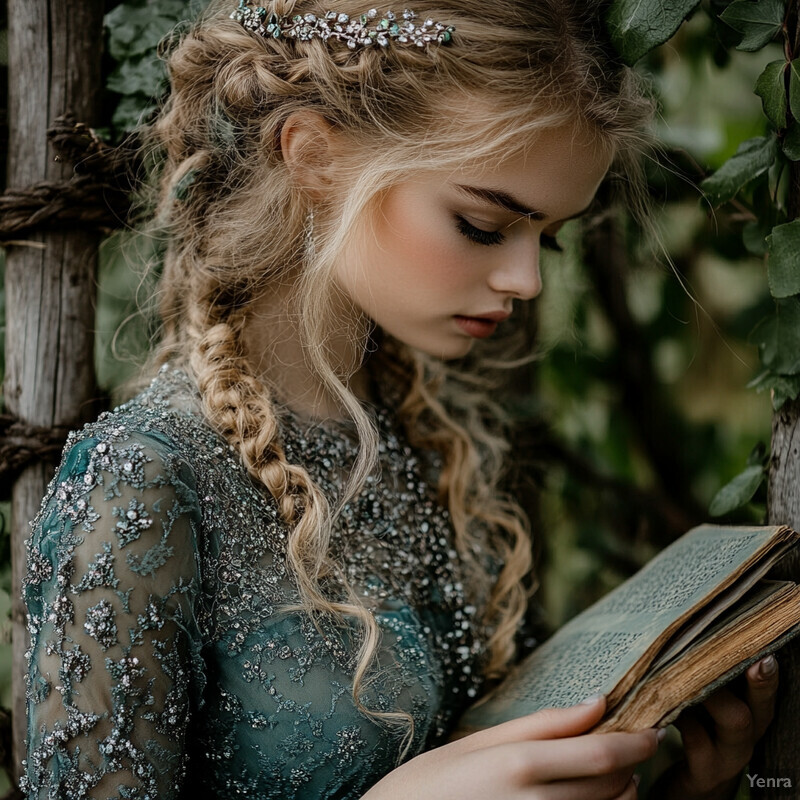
[[478, 235]]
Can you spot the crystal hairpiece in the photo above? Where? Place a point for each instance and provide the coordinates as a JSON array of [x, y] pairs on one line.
[[361, 31]]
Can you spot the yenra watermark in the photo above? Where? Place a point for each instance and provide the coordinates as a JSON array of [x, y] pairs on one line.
[[757, 782]]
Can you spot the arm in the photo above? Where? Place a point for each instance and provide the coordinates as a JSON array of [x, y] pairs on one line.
[[110, 590]]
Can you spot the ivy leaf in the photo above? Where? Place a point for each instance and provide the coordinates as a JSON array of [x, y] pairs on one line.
[[738, 492], [131, 111], [791, 142], [754, 236], [758, 20], [783, 387], [758, 455], [637, 26], [794, 88], [136, 29], [143, 76], [778, 338], [753, 158], [783, 265], [771, 88]]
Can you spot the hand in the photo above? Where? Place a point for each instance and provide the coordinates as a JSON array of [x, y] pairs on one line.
[[715, 754], [542, 756]]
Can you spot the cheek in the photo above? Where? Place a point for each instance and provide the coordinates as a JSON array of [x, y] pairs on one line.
[[420, 248]]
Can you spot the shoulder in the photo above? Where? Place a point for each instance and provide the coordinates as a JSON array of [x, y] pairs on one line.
[[131, 465], [160, 435], [156, 451]]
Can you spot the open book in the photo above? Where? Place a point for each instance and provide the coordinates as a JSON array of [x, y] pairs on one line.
[[693, 618]]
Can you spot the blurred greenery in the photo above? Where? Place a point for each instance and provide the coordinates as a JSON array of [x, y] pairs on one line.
[[638, 412], [693, 295]]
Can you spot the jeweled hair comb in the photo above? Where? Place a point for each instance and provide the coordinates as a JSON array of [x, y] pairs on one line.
[[365, 30]]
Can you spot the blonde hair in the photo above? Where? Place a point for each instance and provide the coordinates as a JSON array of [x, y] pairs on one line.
[[235, 224]]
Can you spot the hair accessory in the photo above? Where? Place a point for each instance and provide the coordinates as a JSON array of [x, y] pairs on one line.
[[362, 31]]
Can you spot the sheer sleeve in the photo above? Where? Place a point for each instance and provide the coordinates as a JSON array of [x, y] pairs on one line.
[[114, 666]]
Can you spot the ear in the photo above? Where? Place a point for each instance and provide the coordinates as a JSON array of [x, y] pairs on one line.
[[310, 147]]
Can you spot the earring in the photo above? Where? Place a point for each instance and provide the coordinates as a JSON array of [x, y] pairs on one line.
[[310, 250]]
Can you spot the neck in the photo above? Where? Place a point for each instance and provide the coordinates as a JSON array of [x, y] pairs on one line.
[[273, 346]]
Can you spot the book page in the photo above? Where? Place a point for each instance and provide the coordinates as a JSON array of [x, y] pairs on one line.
[[685, 678], [609, 646], [749, 598]]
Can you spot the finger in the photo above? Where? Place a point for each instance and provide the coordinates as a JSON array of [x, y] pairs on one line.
[[589, 756], [694, 731], [608, 787], [550, 723], [590, 788], [733, 724], [700, 751], [762, 688]]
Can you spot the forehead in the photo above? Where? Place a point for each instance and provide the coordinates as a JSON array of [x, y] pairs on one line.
[[558, 172]]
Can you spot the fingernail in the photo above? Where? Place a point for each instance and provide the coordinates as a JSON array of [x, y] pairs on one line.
[[637, 779], [662, 732], [590, 701], [767, 667]]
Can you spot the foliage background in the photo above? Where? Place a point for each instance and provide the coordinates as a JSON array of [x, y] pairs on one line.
[[615, 452]]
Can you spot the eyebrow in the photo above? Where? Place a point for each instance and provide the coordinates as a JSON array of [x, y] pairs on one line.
[[508, 202]]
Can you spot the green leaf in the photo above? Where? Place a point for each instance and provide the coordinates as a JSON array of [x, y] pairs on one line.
[[637, 26], [753, 158], [738, 492], [771, 88], [131, 111], [778, 338], [758, 455], [754, 236], [791, 142], [782, 387], [783, 265], [786, 388], [134, 30], [794, 88], [758, 20], [143, 76]]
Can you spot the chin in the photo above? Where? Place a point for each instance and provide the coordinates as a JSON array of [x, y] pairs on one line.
[[443, 348], [448, 353]]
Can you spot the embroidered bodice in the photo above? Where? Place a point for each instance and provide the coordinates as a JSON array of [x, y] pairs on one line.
[[165, 661]]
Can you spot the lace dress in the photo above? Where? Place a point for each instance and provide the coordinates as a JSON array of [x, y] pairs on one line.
[[164, 662]]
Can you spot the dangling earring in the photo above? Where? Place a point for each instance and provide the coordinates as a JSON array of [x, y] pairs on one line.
[[310, 250]]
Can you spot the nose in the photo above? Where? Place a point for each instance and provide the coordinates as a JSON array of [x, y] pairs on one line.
[[517, 272]]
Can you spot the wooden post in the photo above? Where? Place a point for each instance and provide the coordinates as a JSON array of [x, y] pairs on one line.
[[54, 68], [778, 754]]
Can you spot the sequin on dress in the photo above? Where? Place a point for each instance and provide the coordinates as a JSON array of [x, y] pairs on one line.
[[163, 662]]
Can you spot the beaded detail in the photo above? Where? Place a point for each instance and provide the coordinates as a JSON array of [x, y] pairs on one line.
[[162, 662], [364, 30]]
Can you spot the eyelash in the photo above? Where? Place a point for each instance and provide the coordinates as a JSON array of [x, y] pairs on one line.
[[491, 238], [477, 235]]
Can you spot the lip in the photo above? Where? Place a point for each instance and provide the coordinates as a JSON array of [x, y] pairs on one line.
[[479, 327], [494, 316]]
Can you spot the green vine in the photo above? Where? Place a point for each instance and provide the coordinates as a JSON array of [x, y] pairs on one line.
[[771, 232], [135, 29]]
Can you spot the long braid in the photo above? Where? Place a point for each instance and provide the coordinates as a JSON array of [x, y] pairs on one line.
[[240, 408], [234, 219]]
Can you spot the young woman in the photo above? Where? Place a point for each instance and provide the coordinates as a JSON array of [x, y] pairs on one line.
[[284, 569]]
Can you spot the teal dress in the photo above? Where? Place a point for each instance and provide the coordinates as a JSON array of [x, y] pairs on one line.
[[165, 660]]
